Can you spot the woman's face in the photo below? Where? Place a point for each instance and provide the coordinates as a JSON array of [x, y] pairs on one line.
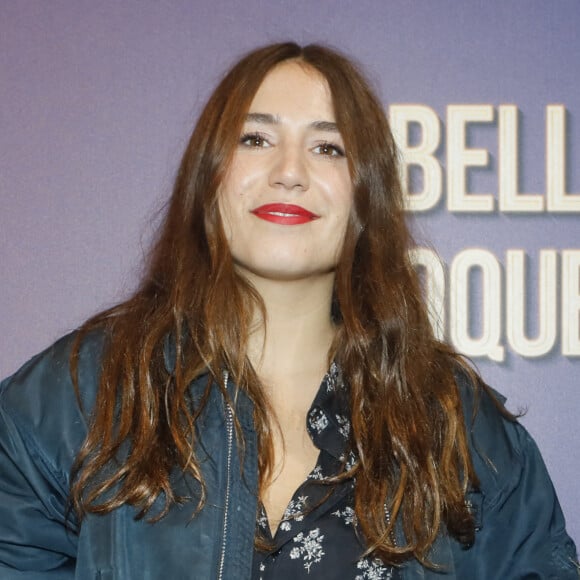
[[287, 196]]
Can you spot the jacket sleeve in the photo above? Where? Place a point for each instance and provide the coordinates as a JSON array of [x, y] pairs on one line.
[[40, 430], [522, 529], [34, 542]]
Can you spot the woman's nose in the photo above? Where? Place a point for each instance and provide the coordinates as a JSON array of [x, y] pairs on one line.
[[290, 169]]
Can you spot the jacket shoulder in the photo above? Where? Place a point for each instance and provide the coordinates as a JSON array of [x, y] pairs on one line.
[[520, 523], [494, 437], [39, 399], [48, 374]]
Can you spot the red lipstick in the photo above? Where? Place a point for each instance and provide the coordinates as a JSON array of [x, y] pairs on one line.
[[286, 214]]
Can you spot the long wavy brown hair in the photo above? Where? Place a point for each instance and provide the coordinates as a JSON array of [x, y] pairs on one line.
[[407, 424]]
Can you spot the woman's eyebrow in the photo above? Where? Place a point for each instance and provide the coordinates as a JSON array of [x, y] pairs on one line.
[[328, 126], [262, 118], [268, 119]]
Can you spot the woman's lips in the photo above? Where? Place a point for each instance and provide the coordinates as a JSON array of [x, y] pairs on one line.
[[284, 213]]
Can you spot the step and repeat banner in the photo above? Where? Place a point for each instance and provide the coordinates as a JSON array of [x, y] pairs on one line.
[[524, 300], [97, 100]]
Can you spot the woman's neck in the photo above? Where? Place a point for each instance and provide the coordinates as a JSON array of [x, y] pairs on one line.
[[296, 339], [290, 355]]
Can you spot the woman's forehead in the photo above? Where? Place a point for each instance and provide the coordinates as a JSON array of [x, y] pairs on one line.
[[294, 89]]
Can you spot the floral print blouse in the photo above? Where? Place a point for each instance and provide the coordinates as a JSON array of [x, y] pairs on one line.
[[317, 537]]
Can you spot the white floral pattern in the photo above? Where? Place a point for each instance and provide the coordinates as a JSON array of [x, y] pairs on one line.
[[350, 461], [262, 519], [317, 420], [333, 379], [309, 548], [347, 515], [316, 473], [373, 569], [294, 512], [343, 425]]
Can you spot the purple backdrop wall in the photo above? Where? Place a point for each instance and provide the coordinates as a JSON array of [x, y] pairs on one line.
[[97, 100]]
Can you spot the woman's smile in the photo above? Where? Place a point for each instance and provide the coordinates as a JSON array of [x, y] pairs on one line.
[[285, 214]]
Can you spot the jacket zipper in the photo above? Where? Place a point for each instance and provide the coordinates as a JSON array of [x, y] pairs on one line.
[[388, 520], [230, 434]]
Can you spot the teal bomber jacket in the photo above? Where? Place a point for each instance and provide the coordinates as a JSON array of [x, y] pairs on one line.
[[520, 527]]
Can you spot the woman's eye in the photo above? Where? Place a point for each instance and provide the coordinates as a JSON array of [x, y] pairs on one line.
[[254, 140], [329, 149]]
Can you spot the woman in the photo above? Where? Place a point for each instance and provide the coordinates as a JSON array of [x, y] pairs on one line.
[[272, 402]]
